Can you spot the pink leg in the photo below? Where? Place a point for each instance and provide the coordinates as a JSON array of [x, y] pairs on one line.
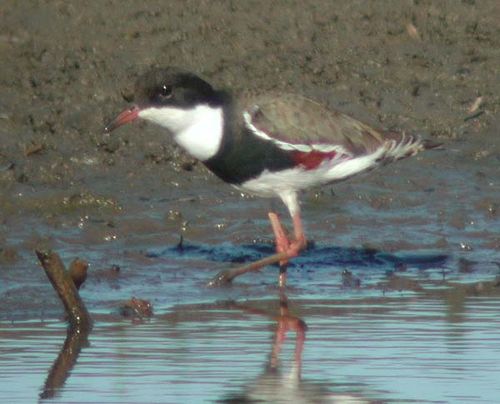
[[286, 248], [283, 244], [300, 239]]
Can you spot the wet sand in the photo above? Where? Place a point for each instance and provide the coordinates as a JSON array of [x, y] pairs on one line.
[[122, 202]]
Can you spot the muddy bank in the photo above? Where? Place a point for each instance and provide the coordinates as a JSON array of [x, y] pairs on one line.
[[66, 69]]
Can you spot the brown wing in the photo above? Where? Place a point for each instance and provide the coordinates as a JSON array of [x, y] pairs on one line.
[[300, 121]]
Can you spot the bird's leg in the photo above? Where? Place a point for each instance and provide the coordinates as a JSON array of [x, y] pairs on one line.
[[297, 245], [282, 244], [290, 248]]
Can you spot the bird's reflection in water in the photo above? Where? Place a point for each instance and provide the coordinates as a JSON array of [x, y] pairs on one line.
[[288, 322], [278, 385]]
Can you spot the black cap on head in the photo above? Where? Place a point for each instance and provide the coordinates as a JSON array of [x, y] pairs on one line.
[[175, 87]]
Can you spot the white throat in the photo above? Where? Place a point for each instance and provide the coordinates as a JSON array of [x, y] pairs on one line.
[[198, 130]]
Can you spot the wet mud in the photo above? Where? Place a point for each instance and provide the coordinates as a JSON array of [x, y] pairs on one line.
[[413, 248]]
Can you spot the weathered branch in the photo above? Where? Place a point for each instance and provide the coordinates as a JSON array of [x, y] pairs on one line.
[[62, 282], [227, 276]]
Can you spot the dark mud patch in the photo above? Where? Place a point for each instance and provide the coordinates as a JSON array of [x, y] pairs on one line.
[[313, 256]]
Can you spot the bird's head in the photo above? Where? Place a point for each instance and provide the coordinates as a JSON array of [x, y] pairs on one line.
[[168, 97], [183, 103]]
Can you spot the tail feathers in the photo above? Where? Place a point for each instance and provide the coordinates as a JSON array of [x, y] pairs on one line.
[[402, 146], [394, 147]]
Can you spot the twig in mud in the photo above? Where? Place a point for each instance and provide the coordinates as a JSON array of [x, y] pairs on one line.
[[412, 31], [227, 276], [475, 105], [473, 116], [33, 149], [61, 280], [473, 110]]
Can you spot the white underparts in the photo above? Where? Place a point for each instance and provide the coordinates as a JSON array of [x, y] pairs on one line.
[[198, 130], [279, 183], [343, 166]]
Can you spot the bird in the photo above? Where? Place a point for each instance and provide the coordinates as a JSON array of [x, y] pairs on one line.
[[269, 145]]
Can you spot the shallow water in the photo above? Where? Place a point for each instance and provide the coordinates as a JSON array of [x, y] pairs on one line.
[[401, 349], [421, 336], [399, 290]]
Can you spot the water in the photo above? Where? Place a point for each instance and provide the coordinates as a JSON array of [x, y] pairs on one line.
[[419, 324], [400, 349]]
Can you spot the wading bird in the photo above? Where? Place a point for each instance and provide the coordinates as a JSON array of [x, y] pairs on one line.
[[270, 146]]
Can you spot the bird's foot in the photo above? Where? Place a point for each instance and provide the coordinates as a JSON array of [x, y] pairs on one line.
[[291, 249], [295, 247]]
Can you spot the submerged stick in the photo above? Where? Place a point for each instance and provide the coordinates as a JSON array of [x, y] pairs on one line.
[[61, 280], [228, 275]]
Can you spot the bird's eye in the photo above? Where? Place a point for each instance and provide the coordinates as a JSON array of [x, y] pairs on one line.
[[165, 91]]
